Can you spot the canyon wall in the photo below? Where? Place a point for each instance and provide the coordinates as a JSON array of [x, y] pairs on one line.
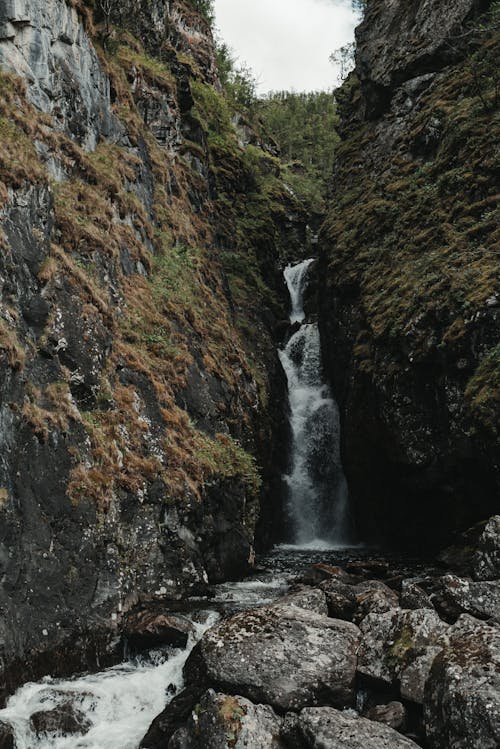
[[410, 250]]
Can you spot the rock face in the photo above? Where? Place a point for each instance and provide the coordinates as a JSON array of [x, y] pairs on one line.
[[65, 719], [132, 405], [150, 628], [318, 728], [486, 558], [462, 696], [410, 323], [282, 655], [223, 721]]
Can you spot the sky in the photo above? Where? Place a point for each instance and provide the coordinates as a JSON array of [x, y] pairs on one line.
[[287, 43]]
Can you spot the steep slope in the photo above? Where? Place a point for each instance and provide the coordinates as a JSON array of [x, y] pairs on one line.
[[411, 302], [140, 231]]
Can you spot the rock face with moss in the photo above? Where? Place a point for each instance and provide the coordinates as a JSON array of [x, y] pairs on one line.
[[411, 302], [139, 237]]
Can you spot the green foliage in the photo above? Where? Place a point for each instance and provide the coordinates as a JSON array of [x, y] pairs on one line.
[[205, 7]]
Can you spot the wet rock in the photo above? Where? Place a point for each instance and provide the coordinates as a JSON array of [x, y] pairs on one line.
[[311, 599], [462, 695], [456, 596], [392, 715], [374, 597], [413, 596], [399, 647], [369, 568], [486, 559], [222, 721], [6, 736], [340, 599], [319, 728], [281, 655], [319, 573], [148, 628], [64, 719]]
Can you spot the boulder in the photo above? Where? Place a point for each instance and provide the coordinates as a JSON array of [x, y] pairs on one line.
[[327, 728], [462, 694], [456, 596], [149, 628], [369, 568], [282, 655], [392, 715], [399, 646], [374, 596], [319, 573], [63, 719], [486, 559], [311, 599], [6, 736], [413, 596], [340, 599], [222, 721]]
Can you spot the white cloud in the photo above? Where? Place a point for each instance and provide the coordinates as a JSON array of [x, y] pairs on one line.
[[287, 42]]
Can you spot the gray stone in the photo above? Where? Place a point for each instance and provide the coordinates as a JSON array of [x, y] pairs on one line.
[[63, 719], [374, 596], [310, 599], [392, 715], [282, 655], [221, 721], [462, 695], [399, 646], [456, 596], [413, 596], [327, 728], [486, 560]]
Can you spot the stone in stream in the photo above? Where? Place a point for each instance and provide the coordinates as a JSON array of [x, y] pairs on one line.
[[413, 596], [462, 694], [340, 599], [150, 627], [222, 721], [6, 736], [311, 599], [399, 647], [327, 728], [456, 596], [282, 655], [374, 597], [63, 719]]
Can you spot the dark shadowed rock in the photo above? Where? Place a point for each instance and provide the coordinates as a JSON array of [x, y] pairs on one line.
[[486, 559], [281, 655], [413, 596], [462, 695], [319, 573], [6, 736], [374, 597], [221, 721], [326, 728], [456, 596], [392, 715], [145, 629], [399, 647], [64, 719], [340, 599], [369, 568]]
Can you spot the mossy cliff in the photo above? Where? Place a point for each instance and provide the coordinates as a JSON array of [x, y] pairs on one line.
[[411, 252], [141, 224]]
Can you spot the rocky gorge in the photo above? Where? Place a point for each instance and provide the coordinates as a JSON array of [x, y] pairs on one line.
[[145, 222]]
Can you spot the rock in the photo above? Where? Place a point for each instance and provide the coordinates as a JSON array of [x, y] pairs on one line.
[[64, 719], [456, 596], [392, 715], [6, 736], [369, 568], [414, 597], [311, 599], [462, 694], [340, 599], [486, 559], [327, 728], [373, 597], [281, 655], [148, 628], [398, 647], [319, 573], [221, 721]]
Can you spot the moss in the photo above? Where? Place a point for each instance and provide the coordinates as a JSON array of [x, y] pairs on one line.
[[483, 392]]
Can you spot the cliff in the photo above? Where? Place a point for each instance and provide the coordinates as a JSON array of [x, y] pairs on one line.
[[410, 297], [141, 222]]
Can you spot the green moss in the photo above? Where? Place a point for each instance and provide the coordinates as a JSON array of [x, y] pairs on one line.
[[483, 392]]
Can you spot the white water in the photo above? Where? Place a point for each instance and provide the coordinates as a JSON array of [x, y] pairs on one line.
[[316, 486], [120, 703]]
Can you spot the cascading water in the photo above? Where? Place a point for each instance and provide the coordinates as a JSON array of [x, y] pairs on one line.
[[316, 486]]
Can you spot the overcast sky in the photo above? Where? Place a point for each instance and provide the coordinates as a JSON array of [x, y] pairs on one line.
[[287, 42]]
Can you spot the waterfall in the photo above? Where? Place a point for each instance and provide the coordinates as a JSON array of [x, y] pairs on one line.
[[317, 499]]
